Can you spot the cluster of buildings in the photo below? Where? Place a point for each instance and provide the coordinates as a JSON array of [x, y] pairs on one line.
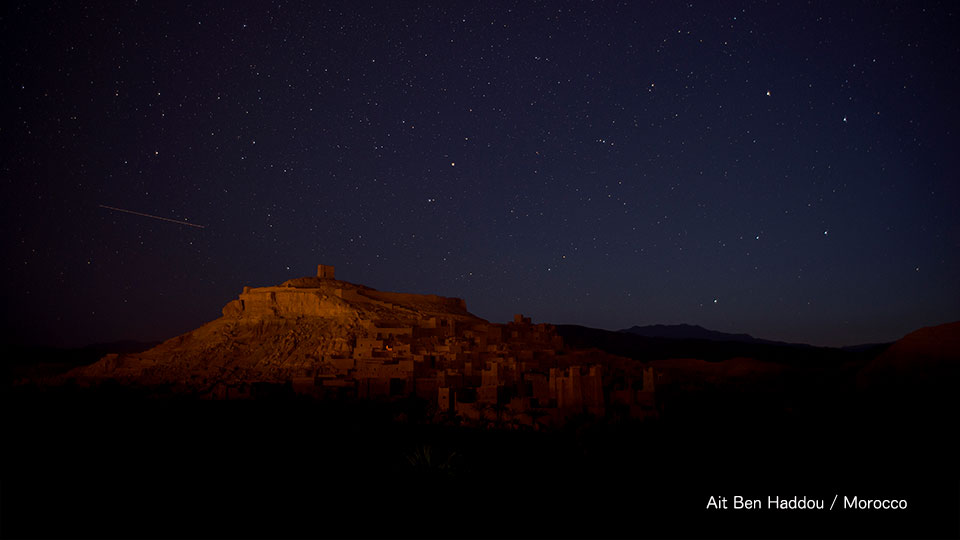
[[510, 374]]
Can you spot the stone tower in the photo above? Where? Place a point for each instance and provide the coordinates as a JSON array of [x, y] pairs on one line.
[[324, 271]]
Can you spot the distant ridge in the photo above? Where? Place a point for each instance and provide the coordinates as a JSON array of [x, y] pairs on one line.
[[692, 331], [925, 360]]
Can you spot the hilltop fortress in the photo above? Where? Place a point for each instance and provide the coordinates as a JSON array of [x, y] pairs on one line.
[[324, 296], [323, 338]]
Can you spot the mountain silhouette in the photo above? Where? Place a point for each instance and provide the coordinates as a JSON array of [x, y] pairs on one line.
[[692, 331]]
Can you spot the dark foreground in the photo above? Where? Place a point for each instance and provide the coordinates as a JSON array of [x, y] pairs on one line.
[[125, 467]]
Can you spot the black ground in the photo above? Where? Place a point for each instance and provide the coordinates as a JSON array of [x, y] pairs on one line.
[[119, 466]]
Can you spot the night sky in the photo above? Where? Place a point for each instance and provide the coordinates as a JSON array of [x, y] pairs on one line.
[[789, 170]]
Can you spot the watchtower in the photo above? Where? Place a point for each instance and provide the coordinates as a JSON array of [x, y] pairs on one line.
[[520, 319], [324, 271]]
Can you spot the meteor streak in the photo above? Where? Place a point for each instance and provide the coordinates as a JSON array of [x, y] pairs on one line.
[[152, 216]]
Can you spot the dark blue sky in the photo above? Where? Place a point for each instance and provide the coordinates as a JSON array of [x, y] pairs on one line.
[[788, 169]]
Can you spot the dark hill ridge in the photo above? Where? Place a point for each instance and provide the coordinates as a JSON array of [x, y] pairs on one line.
[[666, 342], [38, 363], [925, 360], [693, 331]]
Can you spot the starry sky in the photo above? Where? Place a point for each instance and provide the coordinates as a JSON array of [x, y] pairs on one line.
[[785, 169]]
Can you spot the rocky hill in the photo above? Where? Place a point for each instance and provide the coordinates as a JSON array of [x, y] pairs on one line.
[[275, 334], [321, 337], [927, 360]]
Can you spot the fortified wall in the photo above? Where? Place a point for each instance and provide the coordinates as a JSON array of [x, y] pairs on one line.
[[324, 296]]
